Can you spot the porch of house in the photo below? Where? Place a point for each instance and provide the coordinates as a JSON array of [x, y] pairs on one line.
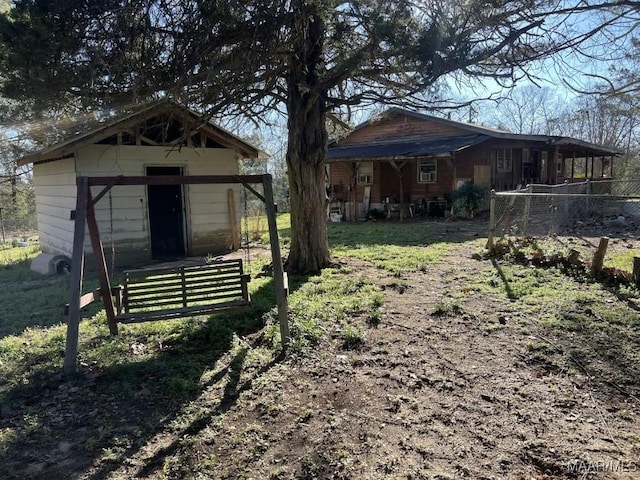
[[553, 166]]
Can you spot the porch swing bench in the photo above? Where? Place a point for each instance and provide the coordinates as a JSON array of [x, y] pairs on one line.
[[180, 291]]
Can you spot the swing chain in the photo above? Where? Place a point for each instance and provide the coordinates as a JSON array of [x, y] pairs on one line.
[[247, 255], [113, 246]]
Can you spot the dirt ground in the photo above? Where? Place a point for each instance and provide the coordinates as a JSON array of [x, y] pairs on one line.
[[433, 393], [456, 395]]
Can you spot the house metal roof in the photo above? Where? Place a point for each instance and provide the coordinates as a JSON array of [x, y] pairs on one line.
[[410, 148], [564, 143]]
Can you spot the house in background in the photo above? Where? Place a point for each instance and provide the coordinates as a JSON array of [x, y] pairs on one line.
[[403, 158], [142, 223]]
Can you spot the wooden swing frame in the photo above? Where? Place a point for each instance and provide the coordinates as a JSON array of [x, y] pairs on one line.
[[85, 219]]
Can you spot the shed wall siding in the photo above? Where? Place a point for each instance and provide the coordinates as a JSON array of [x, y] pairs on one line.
[[55, 190], [209, 206], [206, 207]]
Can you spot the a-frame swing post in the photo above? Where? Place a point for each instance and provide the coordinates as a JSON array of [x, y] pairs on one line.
[[77, 271], [101, 266], [278, 270]]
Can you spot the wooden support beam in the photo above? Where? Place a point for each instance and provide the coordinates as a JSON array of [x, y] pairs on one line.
[[636, 271], [398, 170], [149, 141], [77, 272], [174, 180], [278, 270], [93, 296], [254, 191], [101, 267], [103, 192]]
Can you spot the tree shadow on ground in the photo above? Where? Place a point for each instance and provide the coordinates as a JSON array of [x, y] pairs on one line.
[[413, 232], [602, 343], [505, 281], [605, 342], [93, 424]]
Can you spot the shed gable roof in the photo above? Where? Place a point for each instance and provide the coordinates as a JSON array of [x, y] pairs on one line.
[[145, 122]]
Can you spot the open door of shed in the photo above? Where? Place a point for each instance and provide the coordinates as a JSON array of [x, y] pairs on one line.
[[166, 216]]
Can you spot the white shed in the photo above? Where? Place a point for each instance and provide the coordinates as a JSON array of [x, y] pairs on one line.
[[141, 223]]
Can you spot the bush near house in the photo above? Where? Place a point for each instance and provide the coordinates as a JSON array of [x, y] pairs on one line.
[[468, 200]]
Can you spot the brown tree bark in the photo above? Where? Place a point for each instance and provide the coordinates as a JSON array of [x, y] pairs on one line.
[[307, 146]]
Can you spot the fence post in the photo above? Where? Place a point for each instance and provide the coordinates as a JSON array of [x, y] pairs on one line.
[[492, 220], [2, 224], [527, 209], [636, 271], [566, 200], [598, 257]]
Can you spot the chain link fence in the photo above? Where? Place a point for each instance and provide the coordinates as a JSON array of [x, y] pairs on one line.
[[599, 207]]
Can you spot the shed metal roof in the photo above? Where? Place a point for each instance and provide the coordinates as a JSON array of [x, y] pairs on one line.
[[84, 131]]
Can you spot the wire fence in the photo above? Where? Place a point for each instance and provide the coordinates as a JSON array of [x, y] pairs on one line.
[[599, 207], [16, 228]]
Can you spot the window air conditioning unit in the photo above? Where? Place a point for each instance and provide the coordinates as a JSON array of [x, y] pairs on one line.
[[427, 176]]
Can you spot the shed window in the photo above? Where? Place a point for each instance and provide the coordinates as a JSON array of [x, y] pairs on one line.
[[504, 161], [365, 173], [428, 171]]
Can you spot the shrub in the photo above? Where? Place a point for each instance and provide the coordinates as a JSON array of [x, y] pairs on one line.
[[468, 200]]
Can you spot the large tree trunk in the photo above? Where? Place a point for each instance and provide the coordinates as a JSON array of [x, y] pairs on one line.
[[307, 145]]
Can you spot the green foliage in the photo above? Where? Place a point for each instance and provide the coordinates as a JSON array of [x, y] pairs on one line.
[[468, 200], [329, 303], [352, 337], [53, 48]]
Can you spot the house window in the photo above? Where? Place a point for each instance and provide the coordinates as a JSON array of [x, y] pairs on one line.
[[365, 173], [503, 160], [427, 171]]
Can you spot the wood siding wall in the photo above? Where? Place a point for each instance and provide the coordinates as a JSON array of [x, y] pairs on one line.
[[401, 127], [386, 182]]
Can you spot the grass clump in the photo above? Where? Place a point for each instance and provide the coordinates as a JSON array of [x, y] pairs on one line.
[[325, 306], [352, 337]]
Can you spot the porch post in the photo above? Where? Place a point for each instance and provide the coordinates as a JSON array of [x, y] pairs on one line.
[[398, 169], [586, 167], [556, 155], [611, 167]]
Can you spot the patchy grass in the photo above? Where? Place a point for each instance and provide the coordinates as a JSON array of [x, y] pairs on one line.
[[334, 304], [28, 299], [397, 356], [622, 260]]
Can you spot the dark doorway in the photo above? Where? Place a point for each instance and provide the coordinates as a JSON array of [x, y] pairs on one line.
[[166, 218]]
